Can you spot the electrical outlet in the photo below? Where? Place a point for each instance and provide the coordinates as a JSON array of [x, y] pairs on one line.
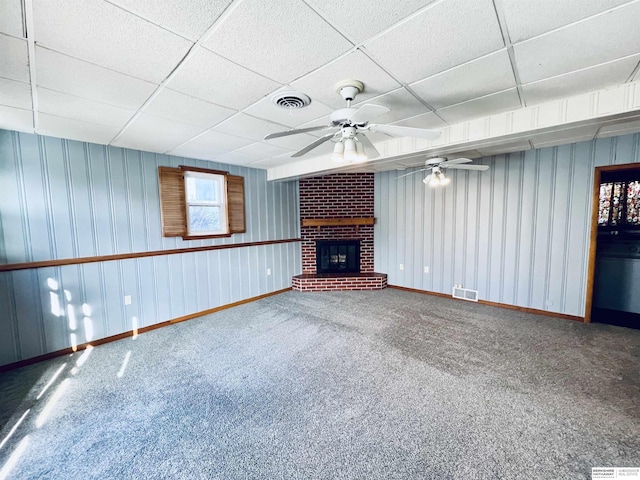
[[426, 269], [268, 271], [402, 266], [127, 300]]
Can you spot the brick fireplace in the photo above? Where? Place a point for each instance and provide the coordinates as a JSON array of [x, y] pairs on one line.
[[337, 207]]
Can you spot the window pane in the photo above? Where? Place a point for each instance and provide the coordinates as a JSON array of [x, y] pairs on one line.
[[204, 219], [203, 189], [605, 204], [633, 203], [616, 203]]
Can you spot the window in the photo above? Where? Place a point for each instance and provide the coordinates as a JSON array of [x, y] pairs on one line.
[[619, 204], [200, 203], [206, 203]]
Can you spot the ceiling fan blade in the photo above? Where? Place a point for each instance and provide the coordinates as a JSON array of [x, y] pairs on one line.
[[369, 149], [457, 160], [367, 112], [466, 167], [399, 131], [313, 145], [294, 132], [411, 173]]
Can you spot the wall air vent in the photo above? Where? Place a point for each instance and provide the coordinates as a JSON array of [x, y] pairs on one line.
[[465, 293], [291, 99]]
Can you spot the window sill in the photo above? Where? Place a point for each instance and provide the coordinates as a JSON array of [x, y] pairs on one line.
[[203, 237]]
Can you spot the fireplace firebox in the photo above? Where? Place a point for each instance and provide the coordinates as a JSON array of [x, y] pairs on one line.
[[338, 256]]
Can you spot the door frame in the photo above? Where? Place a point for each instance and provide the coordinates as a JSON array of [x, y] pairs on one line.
[[593, 239]]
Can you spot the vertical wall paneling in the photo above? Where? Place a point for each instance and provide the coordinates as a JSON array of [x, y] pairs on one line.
[[10, 338], [30, 335], [34, 201], [66, 199], [469, 250], [486, 202], [511, 206], [418, 231], [518, 233]]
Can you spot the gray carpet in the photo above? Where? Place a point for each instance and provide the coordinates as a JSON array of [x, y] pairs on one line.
[[355, 385]]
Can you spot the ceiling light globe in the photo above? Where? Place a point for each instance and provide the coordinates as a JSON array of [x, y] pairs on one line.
[[350, 152], [337, 156], [362, 157]]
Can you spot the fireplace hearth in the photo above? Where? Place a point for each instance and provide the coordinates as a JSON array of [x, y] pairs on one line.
[[337, 256]]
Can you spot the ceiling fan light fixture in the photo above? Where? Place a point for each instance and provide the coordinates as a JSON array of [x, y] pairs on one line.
[[426, 179], [338, 150], [350, 151], [362, 157]]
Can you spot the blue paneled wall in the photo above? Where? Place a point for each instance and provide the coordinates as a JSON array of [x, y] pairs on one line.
[[66, 199], [518, 233]]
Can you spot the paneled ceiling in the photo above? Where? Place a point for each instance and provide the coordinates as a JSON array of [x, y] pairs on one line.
[[195, 78]]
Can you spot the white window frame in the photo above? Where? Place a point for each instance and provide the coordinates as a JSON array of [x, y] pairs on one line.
[[223, 203]]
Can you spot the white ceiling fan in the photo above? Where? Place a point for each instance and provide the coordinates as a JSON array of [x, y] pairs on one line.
[[437, 176], [348, 126]]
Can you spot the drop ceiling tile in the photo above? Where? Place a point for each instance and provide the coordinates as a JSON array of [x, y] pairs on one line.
[[426, 120], [11, 18], [106, 35], [188, 19], [18, 119], [581, 81], [263, 150], [236, 158], [379, 15], [293, 142], [183, 108], [477, 78], [14, 61], [217, 80], [448, 34], [156, 134], [402, 104], [196, 150], [77, 108], [528, 19], [222, 141], [246, 126], [480, 107], [267, 110], [281, 40], [15, 94], [75, 77], [61, 127], [319, 85], [592, 42], [272, 162]]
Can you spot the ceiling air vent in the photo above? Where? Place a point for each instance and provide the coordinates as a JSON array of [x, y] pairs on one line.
[[291, 100]]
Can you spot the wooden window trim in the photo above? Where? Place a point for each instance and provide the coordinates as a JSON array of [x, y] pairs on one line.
[[173, 209]]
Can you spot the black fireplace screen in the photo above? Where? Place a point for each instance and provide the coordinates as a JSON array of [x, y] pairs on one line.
[[338, 256]]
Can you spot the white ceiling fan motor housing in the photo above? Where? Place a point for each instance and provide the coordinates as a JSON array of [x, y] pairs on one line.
[[340, 117], [348, 132]]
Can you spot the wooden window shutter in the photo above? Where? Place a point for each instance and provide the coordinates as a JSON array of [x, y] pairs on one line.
[[173, 210], [235, 201]]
